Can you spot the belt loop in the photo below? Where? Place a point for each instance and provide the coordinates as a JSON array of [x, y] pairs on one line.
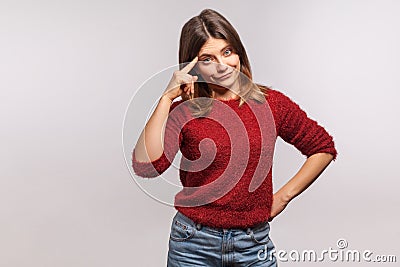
[[248, 231], [198, 226]]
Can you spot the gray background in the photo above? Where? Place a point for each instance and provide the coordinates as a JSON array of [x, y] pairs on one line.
[[69, 69]]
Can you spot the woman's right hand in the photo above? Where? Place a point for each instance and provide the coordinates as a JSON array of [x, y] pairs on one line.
[[181, 82]]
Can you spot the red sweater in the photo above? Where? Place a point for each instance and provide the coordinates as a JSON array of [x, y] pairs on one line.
[[226, 165]]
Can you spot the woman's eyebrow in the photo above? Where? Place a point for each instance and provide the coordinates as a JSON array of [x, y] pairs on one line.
[[205, 54]]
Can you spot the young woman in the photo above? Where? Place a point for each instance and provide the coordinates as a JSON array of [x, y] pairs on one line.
[[226, 127]]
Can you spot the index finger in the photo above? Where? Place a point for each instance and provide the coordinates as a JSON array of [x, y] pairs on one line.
[[189, 66]]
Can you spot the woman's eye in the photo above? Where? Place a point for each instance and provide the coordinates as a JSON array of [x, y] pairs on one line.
[[227, 52], [206, 60]]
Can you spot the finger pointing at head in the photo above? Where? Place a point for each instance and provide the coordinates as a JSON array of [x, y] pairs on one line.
[[190, 66]]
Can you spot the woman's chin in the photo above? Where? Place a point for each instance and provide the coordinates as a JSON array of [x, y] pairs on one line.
[[226, 84]]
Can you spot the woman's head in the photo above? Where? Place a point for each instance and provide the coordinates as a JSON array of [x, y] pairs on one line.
[[210, 31], [212, 38], [218, 64]]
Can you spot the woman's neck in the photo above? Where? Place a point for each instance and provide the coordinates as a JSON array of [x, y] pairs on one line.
[[223, 93]]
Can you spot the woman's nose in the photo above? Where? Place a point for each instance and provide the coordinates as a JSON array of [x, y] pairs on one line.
[[221, 67]]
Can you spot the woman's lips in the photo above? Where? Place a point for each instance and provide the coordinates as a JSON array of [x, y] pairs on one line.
[[223, 77]]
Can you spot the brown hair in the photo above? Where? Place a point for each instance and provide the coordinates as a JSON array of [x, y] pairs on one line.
[[211, 24]]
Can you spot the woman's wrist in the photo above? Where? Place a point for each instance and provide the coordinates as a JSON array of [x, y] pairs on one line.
[[284, 195], [166, 99]]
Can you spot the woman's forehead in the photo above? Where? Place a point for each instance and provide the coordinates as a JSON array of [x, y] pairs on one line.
[[213, 46]]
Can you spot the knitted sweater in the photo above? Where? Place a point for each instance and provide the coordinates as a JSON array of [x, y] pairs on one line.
[[226, 165]]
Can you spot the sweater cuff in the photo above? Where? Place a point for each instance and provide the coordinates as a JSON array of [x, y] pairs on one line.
[[149, 169]]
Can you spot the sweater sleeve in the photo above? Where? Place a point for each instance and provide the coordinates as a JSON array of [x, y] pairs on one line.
[[172, 142], [296, 128]]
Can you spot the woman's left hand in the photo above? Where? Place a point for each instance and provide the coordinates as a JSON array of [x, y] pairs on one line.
[[278, 205]]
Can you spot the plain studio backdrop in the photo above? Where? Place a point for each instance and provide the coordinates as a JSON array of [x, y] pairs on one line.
[[68, 70]]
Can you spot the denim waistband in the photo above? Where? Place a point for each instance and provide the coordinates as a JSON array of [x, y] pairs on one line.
[[199, 226]]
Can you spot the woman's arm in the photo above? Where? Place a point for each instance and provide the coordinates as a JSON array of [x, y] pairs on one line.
[[152, 154], [310, 138], [308, 173], [149, 146], [159, 141]]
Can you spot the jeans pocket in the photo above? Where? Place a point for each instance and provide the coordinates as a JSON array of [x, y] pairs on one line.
[[260, 237], [252, 239], [181, 231]]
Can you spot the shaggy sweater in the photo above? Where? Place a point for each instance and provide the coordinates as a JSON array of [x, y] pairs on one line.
[[226, 164]]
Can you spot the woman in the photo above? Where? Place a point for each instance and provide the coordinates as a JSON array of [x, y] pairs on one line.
[[226, 128]]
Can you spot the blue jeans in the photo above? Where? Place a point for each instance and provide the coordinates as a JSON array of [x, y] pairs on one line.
[[193, 244]]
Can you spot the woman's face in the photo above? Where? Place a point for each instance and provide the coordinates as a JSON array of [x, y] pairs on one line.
[[218, 63]]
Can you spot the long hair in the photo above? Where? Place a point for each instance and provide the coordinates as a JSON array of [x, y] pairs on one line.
[[195, 33]]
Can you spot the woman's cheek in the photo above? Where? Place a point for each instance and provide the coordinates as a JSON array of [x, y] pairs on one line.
[[233, 60], [206, 72]]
